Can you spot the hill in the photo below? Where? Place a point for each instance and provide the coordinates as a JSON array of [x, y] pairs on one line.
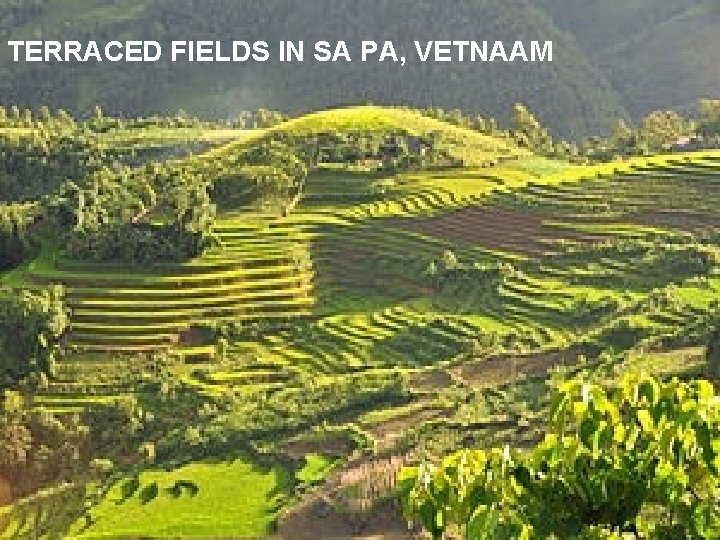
[[613, 59], [470, 146], [570, 94], [655, 54], [231, 280], [394, 313]]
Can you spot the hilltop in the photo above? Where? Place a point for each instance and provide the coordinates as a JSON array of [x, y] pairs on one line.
[[470, 146]]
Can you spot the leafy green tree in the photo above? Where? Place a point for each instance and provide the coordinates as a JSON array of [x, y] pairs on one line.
[[31, 326], [15, 242], [115, 426], [661, 129], [15, 445], [271, 175], [528, 131], [639, 458], [36, 448], [709, 117]]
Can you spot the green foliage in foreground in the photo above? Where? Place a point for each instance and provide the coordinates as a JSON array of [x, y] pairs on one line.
[[315, 469], [641, 457]]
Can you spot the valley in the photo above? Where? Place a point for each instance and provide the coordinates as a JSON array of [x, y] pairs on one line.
[[350, 292]]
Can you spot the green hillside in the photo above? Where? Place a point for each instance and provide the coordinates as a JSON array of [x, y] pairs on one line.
[[612, 57], [677, 49], [569, 94], [647, 48], [424, 290], [262, 267], [600, 26]]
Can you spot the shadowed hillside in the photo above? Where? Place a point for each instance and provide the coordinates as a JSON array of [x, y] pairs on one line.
[[655, 54], [568, 94]]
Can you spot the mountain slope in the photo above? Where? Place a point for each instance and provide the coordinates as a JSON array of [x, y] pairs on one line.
[[655, 54], [568, 94], [677, 50], [600, 25]]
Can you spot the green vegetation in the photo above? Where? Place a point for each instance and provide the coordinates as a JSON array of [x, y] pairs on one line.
[[570, 93], [650, 50], [315, 469], [641, 458], [233, 498], [14, 239], [332, 298], [31, 326], [619, 59]]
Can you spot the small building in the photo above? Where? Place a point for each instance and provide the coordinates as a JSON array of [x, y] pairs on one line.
[[390, 148]]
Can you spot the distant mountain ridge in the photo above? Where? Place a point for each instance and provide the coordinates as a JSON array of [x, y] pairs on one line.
[[580, 93]]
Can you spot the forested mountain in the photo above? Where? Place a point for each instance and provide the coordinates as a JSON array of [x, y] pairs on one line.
[[656, 53], [607, 54]]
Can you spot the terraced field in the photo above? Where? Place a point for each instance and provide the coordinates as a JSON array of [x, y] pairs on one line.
[[253, 274], [505, 229], [350, 269], [458, 278]]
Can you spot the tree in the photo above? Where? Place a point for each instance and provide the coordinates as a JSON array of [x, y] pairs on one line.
[[37, 448], [662, 129], [114, 426], [709, 117], [528, 131], [270, 175], [31, 325], [713, 353], [640, 457], [622, 139], [449, 260], [14, 238]]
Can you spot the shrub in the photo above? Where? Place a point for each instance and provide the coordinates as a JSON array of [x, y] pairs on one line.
[[31, 325], [641, 457]]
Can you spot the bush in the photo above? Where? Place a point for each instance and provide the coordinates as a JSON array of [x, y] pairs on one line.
[[31, 325], [641, 457], [139, 244], [14, 242]]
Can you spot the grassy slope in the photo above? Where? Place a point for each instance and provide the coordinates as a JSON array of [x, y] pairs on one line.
[[476, 147], [233, 499]]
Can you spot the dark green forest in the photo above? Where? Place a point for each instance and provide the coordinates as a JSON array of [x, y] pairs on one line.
[[648, 56]]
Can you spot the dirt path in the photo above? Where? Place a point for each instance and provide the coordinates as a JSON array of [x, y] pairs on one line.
[[6, 496]]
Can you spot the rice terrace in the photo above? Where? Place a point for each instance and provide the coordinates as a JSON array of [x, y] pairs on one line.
[[258, 328]]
